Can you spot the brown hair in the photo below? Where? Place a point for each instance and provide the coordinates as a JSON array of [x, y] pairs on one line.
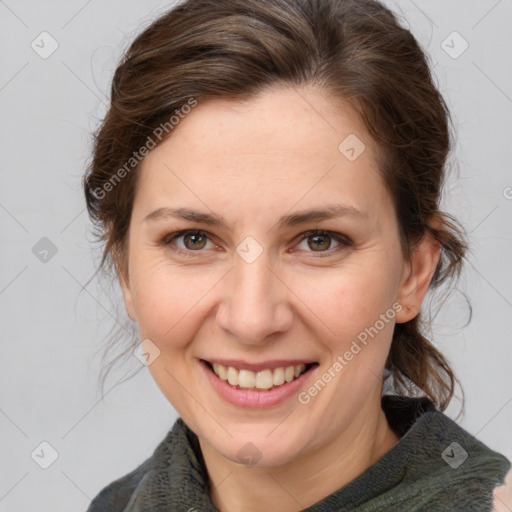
[[355, 51]]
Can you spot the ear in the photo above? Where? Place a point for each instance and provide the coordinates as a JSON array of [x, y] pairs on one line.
[[417, 276], [124, 283]]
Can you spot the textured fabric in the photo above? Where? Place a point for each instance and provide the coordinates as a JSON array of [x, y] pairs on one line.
[[417, 474]]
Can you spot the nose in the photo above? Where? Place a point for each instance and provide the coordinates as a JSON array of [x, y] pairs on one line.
[[255, 302]]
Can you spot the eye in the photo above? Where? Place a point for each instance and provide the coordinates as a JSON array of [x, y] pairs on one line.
[[320, 241], [193, 241]]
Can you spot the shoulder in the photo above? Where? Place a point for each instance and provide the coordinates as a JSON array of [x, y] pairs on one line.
[[440, 463], [459, 468], [115, 496], [175, 473]]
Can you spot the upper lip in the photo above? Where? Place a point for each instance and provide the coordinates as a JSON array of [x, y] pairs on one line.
[[240, 364]]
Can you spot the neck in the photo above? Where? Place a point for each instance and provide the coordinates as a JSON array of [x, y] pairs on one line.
[[307, 479]]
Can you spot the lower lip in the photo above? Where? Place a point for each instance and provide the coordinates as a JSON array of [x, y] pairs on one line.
[[252, 398]]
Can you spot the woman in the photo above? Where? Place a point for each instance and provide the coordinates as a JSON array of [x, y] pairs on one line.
[[267, 182]]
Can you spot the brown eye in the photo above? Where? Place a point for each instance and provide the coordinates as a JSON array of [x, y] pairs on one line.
[[321, 242], [194, 241], [187, 242]]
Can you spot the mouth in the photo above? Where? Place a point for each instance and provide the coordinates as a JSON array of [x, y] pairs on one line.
[[265, 380]]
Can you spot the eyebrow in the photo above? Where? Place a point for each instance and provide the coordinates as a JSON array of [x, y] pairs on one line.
[[295, 219]]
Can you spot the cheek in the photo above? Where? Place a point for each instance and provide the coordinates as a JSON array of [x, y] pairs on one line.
[[167, 298], [349, 299]]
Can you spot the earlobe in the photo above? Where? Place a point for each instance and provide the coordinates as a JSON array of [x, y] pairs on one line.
[[406, 313], [417, 277]]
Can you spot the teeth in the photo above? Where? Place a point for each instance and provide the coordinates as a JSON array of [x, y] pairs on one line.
[[222, 372], [289, 373], [264, 379], [278, 376], [232, 376], [246, 378]]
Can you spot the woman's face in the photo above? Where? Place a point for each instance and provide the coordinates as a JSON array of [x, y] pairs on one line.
[[256, 285]]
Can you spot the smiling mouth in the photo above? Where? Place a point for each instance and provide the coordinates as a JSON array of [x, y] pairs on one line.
[[264, 380]]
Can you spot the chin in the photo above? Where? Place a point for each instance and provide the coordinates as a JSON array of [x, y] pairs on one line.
[[259, 449]]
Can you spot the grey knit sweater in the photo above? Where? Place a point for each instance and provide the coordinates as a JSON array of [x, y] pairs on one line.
[[436, 466]]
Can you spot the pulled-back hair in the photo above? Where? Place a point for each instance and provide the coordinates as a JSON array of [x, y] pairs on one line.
[[353, 50]]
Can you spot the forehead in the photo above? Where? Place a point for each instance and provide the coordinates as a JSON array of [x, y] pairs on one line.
[[292, 122], [292, 145]]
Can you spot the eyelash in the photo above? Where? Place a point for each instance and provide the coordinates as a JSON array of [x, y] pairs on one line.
[[343, 240]]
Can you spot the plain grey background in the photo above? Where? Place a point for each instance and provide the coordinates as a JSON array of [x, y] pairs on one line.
[[52, 328]]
